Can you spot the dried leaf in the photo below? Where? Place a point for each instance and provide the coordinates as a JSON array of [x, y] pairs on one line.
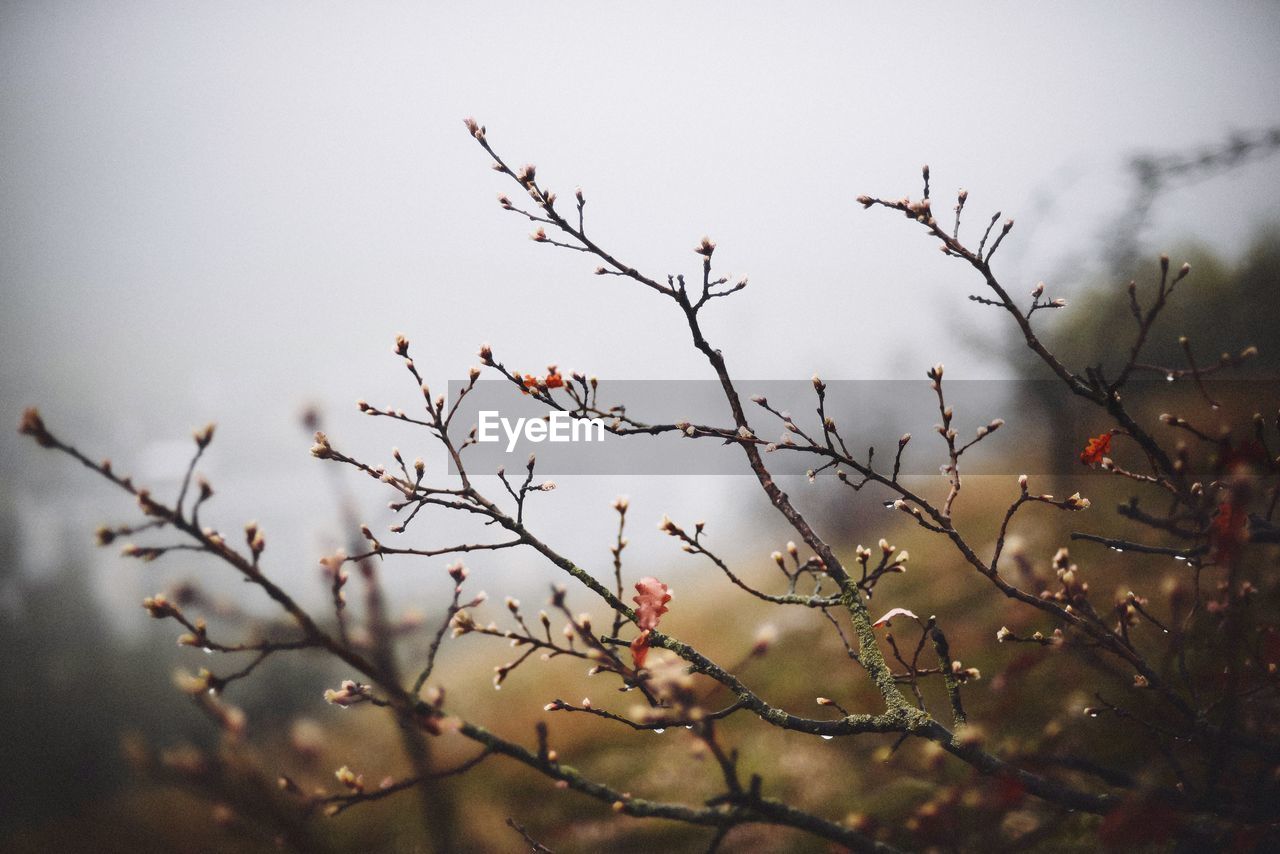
[[896, 612]]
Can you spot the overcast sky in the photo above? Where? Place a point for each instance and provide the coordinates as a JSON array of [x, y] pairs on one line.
[[226, 210]]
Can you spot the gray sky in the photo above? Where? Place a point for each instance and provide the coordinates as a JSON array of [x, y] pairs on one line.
[[226, 210]]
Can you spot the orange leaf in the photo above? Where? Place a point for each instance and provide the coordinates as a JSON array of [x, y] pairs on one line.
[[1098, 447]]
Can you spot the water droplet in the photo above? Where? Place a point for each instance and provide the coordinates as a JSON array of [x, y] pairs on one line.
[[206, 650], [659, 730], [1169, 377], [827, 737], [689, 726], [1180, 557], [1117, 549], [1093, 713]]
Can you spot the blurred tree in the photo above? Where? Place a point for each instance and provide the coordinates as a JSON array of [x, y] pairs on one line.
[[1222, 308], [1225, 307], [1153, 174], [61, 683]]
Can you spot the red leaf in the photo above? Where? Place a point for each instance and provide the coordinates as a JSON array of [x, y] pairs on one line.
[[640, 649], [1229, 530], [1138, 821], [651, 601]]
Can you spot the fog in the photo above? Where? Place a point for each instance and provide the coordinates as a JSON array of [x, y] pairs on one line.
[[226, 211]]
